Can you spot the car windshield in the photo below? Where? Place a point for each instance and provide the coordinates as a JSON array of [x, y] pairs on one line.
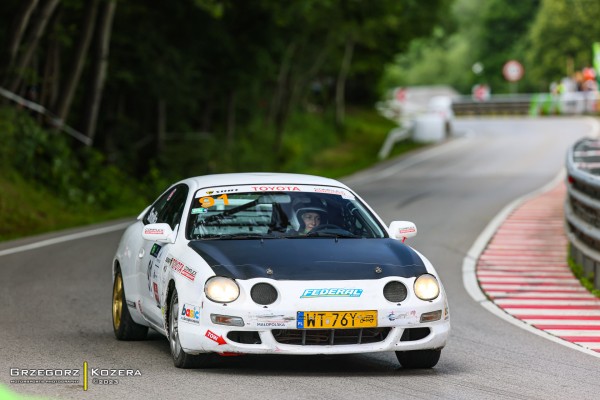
[[279, 211]]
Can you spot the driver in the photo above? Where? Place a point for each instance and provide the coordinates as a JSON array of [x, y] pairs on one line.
[[309, 218]]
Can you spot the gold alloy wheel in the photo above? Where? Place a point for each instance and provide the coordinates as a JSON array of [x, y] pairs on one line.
[[117, 301]]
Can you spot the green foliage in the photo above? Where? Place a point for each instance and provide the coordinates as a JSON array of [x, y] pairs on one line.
[[317, 150], [504, 37], [445, 57], [561, 39], [46, 185], [205, 86], [487, 32], [587, 281]]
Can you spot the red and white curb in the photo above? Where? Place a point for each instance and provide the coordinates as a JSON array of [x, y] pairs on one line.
[[518, 270]]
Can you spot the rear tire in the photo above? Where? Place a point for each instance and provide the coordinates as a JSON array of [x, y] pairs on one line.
[[418, 358], [180, 358], [124, 326]]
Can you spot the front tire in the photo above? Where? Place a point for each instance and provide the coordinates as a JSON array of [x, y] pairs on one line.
[[418, 358], [180, 358], [124, 326]]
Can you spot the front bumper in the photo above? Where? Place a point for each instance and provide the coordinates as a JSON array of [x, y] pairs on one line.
[[278, 334], [435, 339]]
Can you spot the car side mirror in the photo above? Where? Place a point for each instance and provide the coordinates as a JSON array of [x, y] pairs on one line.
[[159, 233], [400, 230]]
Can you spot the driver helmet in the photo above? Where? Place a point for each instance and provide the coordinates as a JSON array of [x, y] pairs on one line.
[[315, 209]]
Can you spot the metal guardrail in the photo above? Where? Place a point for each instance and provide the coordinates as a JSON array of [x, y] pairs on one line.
[[497, 104], [52, 119], [582, 206], [568, 103]]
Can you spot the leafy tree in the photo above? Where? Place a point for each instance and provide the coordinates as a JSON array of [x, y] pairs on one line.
[[445, 57], [561, 39], [505, 27], [204, 78]]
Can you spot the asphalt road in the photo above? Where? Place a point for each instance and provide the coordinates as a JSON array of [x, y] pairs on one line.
[[56, 299]]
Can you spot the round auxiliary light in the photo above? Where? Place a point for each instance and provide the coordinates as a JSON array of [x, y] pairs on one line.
[[395, 292], [263, 293]]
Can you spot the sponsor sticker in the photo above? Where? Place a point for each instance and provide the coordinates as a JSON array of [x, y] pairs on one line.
[[220, 191], [408, 315], [183, 269], [200, 210], [339, 192], [271, 324], [155, 250], [280, 188], [271, 320], [215, 338], [152, 231], [156, 296], [331, 292], [190, 313]]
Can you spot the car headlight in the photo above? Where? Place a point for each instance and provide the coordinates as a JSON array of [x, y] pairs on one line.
[[221, 290], [427, 287]]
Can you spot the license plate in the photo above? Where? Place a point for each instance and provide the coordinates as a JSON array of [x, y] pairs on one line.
[[336, 319]]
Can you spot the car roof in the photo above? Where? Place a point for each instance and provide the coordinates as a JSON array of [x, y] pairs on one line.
[[258, 178]]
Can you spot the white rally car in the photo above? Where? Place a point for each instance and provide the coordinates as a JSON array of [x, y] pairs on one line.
[[275, 264]]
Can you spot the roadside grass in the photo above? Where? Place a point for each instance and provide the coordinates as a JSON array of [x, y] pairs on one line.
[[29, 209], [587, 281], [334, 154]]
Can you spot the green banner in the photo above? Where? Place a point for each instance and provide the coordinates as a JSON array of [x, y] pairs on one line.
[[596, 48]]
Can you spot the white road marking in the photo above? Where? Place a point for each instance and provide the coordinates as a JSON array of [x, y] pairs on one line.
[[574, 322], [567, 302], [574, 332], [66, 238], [546, 312]]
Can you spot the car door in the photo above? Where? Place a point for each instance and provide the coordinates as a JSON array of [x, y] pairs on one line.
[[167, 209]]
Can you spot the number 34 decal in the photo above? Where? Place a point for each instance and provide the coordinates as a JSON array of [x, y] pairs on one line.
[[209, 201]]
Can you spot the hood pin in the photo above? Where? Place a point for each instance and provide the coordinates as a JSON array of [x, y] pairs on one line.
[[378, 270], [269, 271]]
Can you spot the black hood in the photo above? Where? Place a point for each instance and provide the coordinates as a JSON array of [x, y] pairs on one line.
[[310, 259]]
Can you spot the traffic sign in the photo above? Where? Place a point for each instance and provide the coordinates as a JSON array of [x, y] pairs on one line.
[[513, 71]]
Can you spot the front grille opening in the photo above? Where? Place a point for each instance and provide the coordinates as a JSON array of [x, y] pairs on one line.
[[411, 334], [263, 294], [244, 337], [395, 292], [330, 337]]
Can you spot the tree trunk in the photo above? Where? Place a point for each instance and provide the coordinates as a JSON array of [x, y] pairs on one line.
[[282, 80], [299, 89], [161, 132], [33, 39], [340, 87], [27, 8], [207, 115], [100, 65], [51, 75], [231, 118], [72, 80]]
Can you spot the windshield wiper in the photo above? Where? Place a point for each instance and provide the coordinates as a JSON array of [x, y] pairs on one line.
[[240, 235], [331, 234]]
